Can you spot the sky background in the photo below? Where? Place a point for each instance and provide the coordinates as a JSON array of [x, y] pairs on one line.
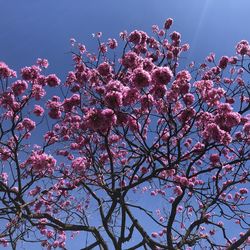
[[42, 28]]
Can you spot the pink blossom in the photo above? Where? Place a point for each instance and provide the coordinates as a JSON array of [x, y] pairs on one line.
[[214, 158], [162, 75], [113, 99], [154, 234], [140, 78], [168, 23], [4, 242], [134, 37], [112, 43], [186, 115], [28, 124], [103, 48], [130, 60], [41, 162], [100, 119], [183, 75], [30, 73], [246, 128], [158, 91], [35, 191], [223, 62], [213, 132], [178, 190], [4, 178], [243, 191], [79, 164], [242, 47], [42, 63], [52, 80], [19, 87], [130, 96], [81, 48], [133, 124], [175, 36], [5, 71], [147, 64], [38, 110], [38, 92], [188, 99], [104, 69], [71, 102]]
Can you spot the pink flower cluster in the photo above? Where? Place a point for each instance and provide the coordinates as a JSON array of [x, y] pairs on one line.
[[79, 164], [41, 162], [30, 73], [28, 124], [243, 48], [55, 107], [162, 75], [140, 78], [38, 110], [19, 87], [5, 71], [100, 120], [52, 80]]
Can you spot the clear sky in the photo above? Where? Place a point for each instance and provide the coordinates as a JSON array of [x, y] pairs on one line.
[[42, 28]]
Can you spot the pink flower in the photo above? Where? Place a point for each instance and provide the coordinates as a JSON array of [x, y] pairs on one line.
[[242, 47], [112, 43], [4, 242], [188, 99], [246, 128], [147, 64], [5, 71], [223, 62], [135, 37], [175, 36], [186, 115], [30, 73], [178, 190], [183, 75], [41, 162], [71, 102], [103, 48], [213, 132], [104, 69], [28, 124], [168, 23], [38, 110], [214, 158], [35, 191], [38, 92], [100, 119], [158, 91], [19, 87], [154, 234], [140, 78], [243, 191], [130, 95], [52, 80], [42, 63], [79, 164], [130, 60], [133, 124], [113, 99], [81, 48], [162, 75]]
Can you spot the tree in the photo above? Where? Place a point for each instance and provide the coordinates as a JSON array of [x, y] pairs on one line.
[[137, 152]]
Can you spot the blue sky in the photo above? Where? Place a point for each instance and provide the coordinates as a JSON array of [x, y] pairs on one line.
[[42, 28]]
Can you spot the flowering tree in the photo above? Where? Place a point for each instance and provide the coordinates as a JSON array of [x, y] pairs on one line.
[[137, 152]]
